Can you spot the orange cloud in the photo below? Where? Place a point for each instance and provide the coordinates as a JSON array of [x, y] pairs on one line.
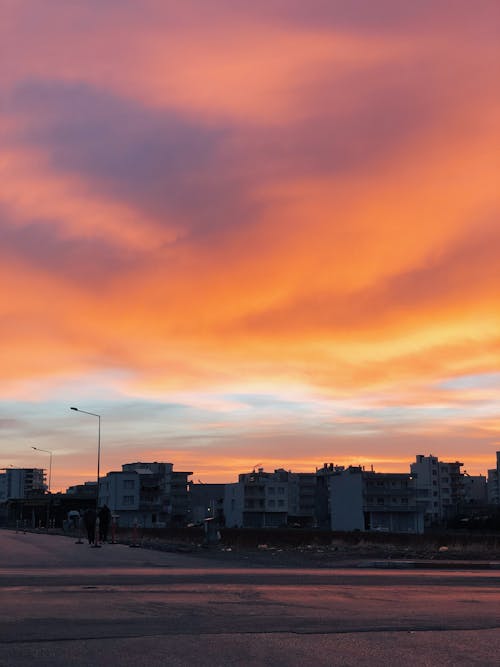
[[239, 200]]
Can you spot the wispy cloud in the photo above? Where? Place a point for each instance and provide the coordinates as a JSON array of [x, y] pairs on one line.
[[258, 223]]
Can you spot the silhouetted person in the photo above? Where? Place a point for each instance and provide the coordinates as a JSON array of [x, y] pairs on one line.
[[89, 518], [104, 521]]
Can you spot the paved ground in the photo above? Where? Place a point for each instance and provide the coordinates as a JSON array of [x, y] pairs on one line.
[[68, 604]]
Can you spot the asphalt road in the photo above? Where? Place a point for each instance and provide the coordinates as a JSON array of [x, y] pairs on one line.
[[68, 604]]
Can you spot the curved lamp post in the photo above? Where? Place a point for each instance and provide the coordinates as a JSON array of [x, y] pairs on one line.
[[93, 414], [47, 451]]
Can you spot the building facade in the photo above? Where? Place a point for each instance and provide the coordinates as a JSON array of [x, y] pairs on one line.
[[22, 483], [440, 487], [149, 494], [206, 501], [270, 499], [494, 483], [370, 501], [323, 492]]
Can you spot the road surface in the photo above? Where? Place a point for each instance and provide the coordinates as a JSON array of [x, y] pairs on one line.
[[68, 604]]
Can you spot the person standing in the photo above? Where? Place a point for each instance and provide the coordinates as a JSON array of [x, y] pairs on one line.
[[89, 517], [104, 521]]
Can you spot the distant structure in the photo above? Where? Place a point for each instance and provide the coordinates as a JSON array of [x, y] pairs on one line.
[[494, 483], [270, 499], [151, 494], [370, 501], [475, 490], [22, 483], [440, 487], [206, 501], [337, 498], [85, 490], [323, 510]]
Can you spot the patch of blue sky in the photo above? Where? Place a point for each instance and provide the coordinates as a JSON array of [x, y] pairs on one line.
[[474, 381]]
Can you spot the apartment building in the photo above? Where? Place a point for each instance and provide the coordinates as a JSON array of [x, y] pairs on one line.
[[475, 491], [151, 494], [22, 483], [440, 487], [494, 483], [371, 501], [206, 501], [270, 499], [323, 510]]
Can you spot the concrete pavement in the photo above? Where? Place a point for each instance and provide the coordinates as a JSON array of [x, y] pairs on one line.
[[63, 604]]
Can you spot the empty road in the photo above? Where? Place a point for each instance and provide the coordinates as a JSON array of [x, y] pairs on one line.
[[69, 604]]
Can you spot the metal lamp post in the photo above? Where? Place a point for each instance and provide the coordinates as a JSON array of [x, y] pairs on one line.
[[93, 414], [47, 451]]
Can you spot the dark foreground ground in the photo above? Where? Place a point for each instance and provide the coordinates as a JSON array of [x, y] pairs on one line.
[[321, 549], [330, 551], [63, 603]]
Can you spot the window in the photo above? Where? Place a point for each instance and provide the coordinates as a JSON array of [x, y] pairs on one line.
[[380, 501], [271, 490], [272, 503], [128, 500], [281, 490], [281, 503], [129, 484]]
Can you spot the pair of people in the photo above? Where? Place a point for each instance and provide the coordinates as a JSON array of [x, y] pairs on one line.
[[102, 519]]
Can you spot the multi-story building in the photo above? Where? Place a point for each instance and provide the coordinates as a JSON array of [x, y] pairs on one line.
[[370, 501], [22, 483], [494, 483], [302, 499], [270, 499], [151, 494], [474, 490], [440, 487], [85, 490], [206, 501], [323, 513]]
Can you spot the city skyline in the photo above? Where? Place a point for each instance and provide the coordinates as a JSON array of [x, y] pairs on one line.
[[249, 234], [308, 468]]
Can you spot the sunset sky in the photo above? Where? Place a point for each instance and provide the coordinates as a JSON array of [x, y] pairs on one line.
[[249, 233]]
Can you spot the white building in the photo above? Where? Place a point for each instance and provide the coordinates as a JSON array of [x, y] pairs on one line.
[[21, 483], [370, 501], [270, 499], [439, 485], [151, 494]]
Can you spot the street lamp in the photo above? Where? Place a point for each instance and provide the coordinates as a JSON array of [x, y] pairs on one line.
[[93, 414], [47, 451]]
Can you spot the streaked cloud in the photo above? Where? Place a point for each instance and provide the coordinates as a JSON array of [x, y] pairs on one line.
[[277, 222]]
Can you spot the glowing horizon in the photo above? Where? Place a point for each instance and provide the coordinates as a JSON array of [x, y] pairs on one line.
[[250, 233]]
